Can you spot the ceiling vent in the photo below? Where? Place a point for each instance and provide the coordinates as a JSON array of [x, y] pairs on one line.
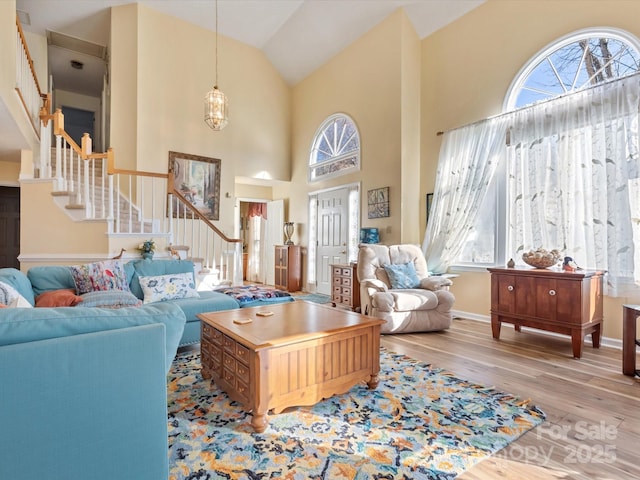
[[75, 44]]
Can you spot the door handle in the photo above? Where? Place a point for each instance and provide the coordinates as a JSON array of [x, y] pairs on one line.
[[343, 252]]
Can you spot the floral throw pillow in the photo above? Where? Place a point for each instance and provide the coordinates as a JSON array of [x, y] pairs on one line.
[[99, 276], [402, 275], [168, 287]]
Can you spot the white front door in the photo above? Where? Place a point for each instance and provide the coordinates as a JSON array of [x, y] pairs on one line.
[[332, 228]]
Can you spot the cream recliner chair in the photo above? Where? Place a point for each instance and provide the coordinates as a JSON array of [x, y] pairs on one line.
[[426, 306]]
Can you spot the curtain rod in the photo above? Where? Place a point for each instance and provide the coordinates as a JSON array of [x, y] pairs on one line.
[[541, 102]]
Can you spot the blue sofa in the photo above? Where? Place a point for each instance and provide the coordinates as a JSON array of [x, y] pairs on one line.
[[48, 278], [83, 391]]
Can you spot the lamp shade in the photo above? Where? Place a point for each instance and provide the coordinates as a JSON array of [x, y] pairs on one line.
[[369, 235]]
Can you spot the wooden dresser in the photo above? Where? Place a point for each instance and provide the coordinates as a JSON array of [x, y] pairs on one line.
[[345, 288], [288, 268], [554, 300]]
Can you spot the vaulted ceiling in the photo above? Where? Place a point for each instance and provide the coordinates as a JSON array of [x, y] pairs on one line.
[[297, 36]]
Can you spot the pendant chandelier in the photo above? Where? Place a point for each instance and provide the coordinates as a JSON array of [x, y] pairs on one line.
[[216, 105]]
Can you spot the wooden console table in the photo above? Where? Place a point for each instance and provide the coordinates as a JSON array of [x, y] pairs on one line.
[[629, 319], [554, 300]]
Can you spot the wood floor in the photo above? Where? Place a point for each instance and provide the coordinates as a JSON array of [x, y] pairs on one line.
[[592, 429]]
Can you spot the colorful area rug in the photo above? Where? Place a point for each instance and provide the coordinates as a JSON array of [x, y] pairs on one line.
[[314, 297], [419, 423]]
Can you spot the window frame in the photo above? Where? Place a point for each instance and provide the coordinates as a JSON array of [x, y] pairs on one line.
[[586, 33], [317, 138]]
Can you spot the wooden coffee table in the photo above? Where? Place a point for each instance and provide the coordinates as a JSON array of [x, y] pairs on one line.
[[301, 354]]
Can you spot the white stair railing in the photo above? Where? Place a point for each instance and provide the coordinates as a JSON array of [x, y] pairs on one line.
[[27, 85], [135, 202]]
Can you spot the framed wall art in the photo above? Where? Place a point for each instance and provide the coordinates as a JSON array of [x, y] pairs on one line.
[[378, 202], [198, 180]]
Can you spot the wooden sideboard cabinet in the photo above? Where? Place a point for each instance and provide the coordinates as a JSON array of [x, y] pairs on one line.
[[288, 268], [345, 288], [569, 303]]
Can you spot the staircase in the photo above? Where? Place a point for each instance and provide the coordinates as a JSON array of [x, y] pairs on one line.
[[68, 194], [135, 205]]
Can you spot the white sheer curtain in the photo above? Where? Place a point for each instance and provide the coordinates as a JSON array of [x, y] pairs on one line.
[[256, 271], [572, 181], [468, 160], [570, 164]]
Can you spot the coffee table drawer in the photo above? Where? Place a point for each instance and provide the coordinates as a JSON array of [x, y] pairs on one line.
[[229, 344], [242, 353], [238, 388], [211, 333]]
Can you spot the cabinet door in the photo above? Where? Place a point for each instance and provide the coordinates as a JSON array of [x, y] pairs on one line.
[[503, 293], [570, 301]]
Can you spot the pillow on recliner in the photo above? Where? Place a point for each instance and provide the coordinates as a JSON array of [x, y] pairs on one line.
[[402, 275]]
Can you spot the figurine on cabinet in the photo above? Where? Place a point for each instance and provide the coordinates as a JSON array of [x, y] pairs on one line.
[[569, 265]]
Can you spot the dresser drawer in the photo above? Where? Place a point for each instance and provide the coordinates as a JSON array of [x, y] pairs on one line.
[[347, 301]]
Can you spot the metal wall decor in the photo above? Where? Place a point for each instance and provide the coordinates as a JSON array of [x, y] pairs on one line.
[[378, 202]]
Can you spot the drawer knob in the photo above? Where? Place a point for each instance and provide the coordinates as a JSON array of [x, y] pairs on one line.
[[510, 288], [552, 292]]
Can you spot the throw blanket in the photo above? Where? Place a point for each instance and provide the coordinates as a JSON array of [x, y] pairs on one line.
[[254, 295]]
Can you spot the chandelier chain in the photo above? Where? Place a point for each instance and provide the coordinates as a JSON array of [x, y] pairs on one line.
[[216, 43]]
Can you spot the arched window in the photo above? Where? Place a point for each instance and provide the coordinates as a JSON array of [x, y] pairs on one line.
[[336, 148], [582, 59]]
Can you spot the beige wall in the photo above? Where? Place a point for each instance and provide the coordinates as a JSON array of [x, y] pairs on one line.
[[161, 102], [366, 82], [10, 171], [38, 238], [467, 68], [253, 192]]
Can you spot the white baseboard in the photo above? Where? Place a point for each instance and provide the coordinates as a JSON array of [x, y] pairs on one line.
[[604, 341]]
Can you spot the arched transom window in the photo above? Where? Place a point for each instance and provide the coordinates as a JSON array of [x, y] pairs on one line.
[[336, 148], [582, 59]]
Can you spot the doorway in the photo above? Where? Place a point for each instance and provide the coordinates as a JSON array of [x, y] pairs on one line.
[[9, 227], [77, 122], [260, 228], [335, 214]]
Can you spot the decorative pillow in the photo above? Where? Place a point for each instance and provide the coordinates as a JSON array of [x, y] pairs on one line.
[[2, 305], [402, 275], [58, 298], [168, 287], [99, 276], [109, 299], [8, 294], [10, 297]]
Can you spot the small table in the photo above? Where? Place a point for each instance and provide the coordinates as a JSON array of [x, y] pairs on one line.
[[629, 341], [300, 354]]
